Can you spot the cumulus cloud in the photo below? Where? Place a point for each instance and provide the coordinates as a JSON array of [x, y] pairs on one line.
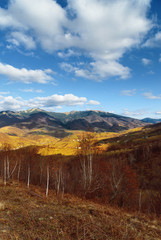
[[149, 95], [85, 73], [98, 70], [128, 92], [106, 29], [31, 90], [110, 69], [146, 61], [24, 75], [60, 100], [68, 67], [56, 101], [79, 72], [136, 113], [45, 18], [19, 38], [93, 102], [103, 30], [7, 19], [154, 41], [68, 53], [10, 103]]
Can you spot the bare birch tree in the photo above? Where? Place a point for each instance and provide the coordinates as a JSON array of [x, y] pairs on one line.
[[89, 172], [7, 169]]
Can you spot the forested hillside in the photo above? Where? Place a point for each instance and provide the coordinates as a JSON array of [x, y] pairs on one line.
[[123, 170]]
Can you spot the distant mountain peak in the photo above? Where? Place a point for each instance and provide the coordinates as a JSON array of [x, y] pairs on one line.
[[75, 120], [151, 120]]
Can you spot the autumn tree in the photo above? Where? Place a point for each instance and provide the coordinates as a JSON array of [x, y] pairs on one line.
[[30, 154], [9, 163], [121, 182], [88, 162], [58, 177]]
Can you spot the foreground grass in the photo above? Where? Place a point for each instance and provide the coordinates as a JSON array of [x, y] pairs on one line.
[[27, 214]]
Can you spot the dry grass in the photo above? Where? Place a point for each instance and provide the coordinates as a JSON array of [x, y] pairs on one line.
[[51, 145], [26, 214], [66, 146]]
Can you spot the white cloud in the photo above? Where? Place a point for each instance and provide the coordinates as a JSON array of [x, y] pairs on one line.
[[60, 100], [146, 61], [68, 54], [136, 113], [19, 38], [98, 70], [24, 75], [128, 92], [158, 113], [93, 102], [31, 90], [149, 95], [10, 103], [154, 41], [58, 107], [68, 67], [45, 18], [79, 72], [4, 93], [56, 101], [8, 19], [106, 29], [103, 30], [110, 69], [85, 73]]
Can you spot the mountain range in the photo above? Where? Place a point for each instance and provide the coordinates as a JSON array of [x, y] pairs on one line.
[[151, 120], [98, 121]]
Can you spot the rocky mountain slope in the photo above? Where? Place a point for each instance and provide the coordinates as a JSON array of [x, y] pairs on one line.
[[82, 120]]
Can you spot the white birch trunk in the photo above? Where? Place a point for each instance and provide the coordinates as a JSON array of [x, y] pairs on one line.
[[13, 170], [90, 168], [8, 168], [19, 169], [5, 171], [47, 180], [28, 177]]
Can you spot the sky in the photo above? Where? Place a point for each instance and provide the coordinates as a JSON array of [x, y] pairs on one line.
[[76, 55]]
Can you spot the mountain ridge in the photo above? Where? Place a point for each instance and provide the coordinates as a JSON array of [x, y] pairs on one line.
[[89, 120], [151, 120]]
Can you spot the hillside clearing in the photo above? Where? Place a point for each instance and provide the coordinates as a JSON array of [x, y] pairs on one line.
[[26, 214]]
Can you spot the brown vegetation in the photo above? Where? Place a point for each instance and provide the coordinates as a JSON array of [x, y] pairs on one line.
[[28, 215], [125, 175]]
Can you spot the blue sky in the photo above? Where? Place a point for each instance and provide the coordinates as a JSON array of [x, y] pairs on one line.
[[69, 55]]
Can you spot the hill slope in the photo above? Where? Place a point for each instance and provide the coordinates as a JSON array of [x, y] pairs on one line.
[[151, 120], [27, 214], [81, 120]]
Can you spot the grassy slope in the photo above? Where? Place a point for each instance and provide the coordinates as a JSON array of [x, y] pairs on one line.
[[65, 146], [26, 214], [131, 139], [68, 145]]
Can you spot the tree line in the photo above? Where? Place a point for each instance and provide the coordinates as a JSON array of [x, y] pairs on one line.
[[91, 174]]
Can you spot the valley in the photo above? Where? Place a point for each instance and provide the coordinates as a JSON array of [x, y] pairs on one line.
[[72, 180]]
